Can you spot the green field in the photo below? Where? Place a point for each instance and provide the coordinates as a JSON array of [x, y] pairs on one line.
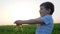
[[27, 29]]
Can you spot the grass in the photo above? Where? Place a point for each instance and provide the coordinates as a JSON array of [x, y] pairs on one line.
[[27, 29], [56, 29]]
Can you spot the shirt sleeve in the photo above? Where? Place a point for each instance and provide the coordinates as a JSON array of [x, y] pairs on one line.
[[46, 19]]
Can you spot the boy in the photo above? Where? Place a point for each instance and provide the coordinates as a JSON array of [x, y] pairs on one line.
[[45, 22]]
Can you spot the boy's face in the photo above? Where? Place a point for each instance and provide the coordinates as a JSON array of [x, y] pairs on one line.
[[43, 11]]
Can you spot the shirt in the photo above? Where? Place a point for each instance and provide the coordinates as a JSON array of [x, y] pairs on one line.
[[47, 27]]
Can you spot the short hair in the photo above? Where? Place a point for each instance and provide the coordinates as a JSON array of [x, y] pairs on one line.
[[48, 5]]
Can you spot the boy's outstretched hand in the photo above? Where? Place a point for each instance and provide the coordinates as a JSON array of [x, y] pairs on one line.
[[18, 22]]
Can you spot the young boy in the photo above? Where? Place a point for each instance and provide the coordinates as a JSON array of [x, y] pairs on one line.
[[45, 22]]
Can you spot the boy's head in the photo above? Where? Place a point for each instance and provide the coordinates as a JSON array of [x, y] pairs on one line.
[[46, 8]]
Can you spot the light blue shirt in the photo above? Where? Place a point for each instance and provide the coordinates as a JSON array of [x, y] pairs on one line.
[[47, 27]]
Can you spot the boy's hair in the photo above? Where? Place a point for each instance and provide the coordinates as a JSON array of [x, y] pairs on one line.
[[48, 5]]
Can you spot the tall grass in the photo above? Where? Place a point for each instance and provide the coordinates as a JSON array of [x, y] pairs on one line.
[[27, 29]]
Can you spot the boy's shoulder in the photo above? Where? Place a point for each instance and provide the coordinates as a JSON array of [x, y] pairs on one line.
[[47, 16], [47, 19]]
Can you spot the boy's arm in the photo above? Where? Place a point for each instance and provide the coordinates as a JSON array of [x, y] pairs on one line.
[[34, 21], [31, 21]]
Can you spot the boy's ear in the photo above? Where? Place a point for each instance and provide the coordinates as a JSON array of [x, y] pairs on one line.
[[49, 10]]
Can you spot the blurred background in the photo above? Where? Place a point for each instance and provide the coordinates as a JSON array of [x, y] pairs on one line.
[[11, 10]]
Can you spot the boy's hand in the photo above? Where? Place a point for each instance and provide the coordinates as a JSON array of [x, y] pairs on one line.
[[18, 22]]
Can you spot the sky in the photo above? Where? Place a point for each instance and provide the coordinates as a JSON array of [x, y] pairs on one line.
[[12, 10]]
